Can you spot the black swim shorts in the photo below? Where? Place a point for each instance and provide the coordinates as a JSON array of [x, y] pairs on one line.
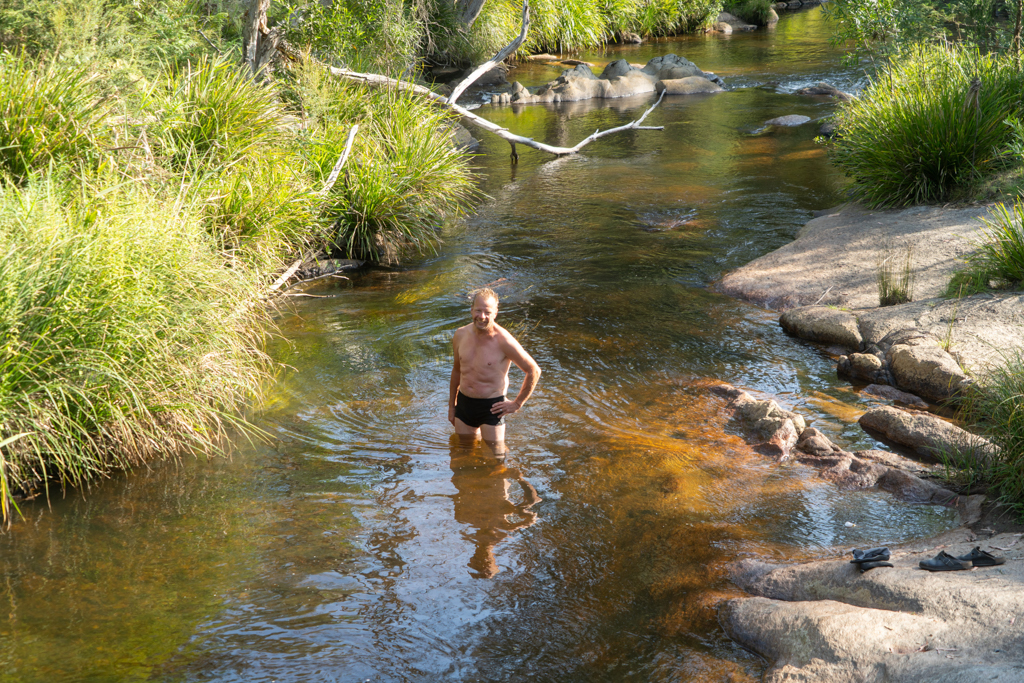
[[477, 411]]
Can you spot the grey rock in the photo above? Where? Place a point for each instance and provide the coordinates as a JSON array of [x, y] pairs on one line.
[[734, 21], [894, 394], [827, 89], [630, 38], [822, 324], [619, 79], [723, 27], [920, 365], [827, 129], [692, 85]]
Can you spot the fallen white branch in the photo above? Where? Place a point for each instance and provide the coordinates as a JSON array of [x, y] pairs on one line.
[[376, 80], [502, 55], [331, 179]]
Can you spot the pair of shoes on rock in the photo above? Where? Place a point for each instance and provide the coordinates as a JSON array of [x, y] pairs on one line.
[[944, 562], [871, 558]]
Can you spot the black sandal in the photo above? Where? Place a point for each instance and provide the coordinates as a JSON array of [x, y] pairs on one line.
[[944, 562], [864, 566], [981, 558]]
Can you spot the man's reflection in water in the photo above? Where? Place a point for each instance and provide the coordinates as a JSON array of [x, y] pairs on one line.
[[487, 499]]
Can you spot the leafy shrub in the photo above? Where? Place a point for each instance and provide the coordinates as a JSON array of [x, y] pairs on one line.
[[124, 338], [925, 130], [753, 11], [49, 113], [401, 183], [375, 35]]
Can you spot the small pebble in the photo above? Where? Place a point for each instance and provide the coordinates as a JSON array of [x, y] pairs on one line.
[[850, 524]]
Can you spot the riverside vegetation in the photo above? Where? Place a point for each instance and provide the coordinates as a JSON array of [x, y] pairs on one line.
[[150, 190], [940, 122]]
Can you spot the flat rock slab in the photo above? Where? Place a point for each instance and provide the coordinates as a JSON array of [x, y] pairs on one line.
[[825, 621], [833, 260], [832, 266]]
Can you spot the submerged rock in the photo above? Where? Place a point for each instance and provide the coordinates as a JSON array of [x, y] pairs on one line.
[[692, 85], [823, 88], [789, 121]]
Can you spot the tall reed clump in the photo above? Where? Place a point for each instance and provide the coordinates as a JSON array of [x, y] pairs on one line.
[[929, 127], [999, 257], [49, 112], [895, 275], [124, 337]]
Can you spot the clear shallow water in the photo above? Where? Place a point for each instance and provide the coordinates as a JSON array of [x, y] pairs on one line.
[[362, 543]]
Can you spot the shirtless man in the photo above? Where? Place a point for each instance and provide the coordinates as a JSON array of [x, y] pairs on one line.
[[484, 351]]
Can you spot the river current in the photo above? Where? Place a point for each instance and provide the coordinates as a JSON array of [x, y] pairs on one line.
[[361, 542]]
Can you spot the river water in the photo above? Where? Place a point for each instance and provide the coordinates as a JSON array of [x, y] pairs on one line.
[[361, 542]]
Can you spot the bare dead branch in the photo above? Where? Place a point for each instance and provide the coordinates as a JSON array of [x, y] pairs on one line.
[[208, 41], [331, 179], [376, 80], [497, 59]]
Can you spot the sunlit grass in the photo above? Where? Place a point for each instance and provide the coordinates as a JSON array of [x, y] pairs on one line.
[[122, 335], [49, 113]]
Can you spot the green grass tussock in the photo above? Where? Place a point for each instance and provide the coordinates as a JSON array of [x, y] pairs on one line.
[[921, 133], [124, 337], [215, 114], [405, 179]]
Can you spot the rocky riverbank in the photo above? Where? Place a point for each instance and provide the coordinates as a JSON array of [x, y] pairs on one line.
[[826, 621]]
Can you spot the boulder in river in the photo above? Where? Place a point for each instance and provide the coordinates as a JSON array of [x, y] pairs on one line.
[[822, 324], [893, 394], [735, 22], [919, 364], [822, 88], [619, 79]]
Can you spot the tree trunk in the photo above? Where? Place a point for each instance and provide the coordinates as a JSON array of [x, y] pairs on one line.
[[469, 10], [258, 43]]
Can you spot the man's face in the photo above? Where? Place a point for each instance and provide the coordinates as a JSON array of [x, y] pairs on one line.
[[484, 311]]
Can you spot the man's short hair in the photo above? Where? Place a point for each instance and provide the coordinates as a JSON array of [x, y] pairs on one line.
[[485, 292]]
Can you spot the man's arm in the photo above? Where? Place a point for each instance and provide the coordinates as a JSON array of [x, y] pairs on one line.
[[453, 385], [518, 355]]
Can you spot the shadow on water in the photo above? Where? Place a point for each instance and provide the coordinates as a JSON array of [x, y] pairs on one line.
[[363, 542]]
